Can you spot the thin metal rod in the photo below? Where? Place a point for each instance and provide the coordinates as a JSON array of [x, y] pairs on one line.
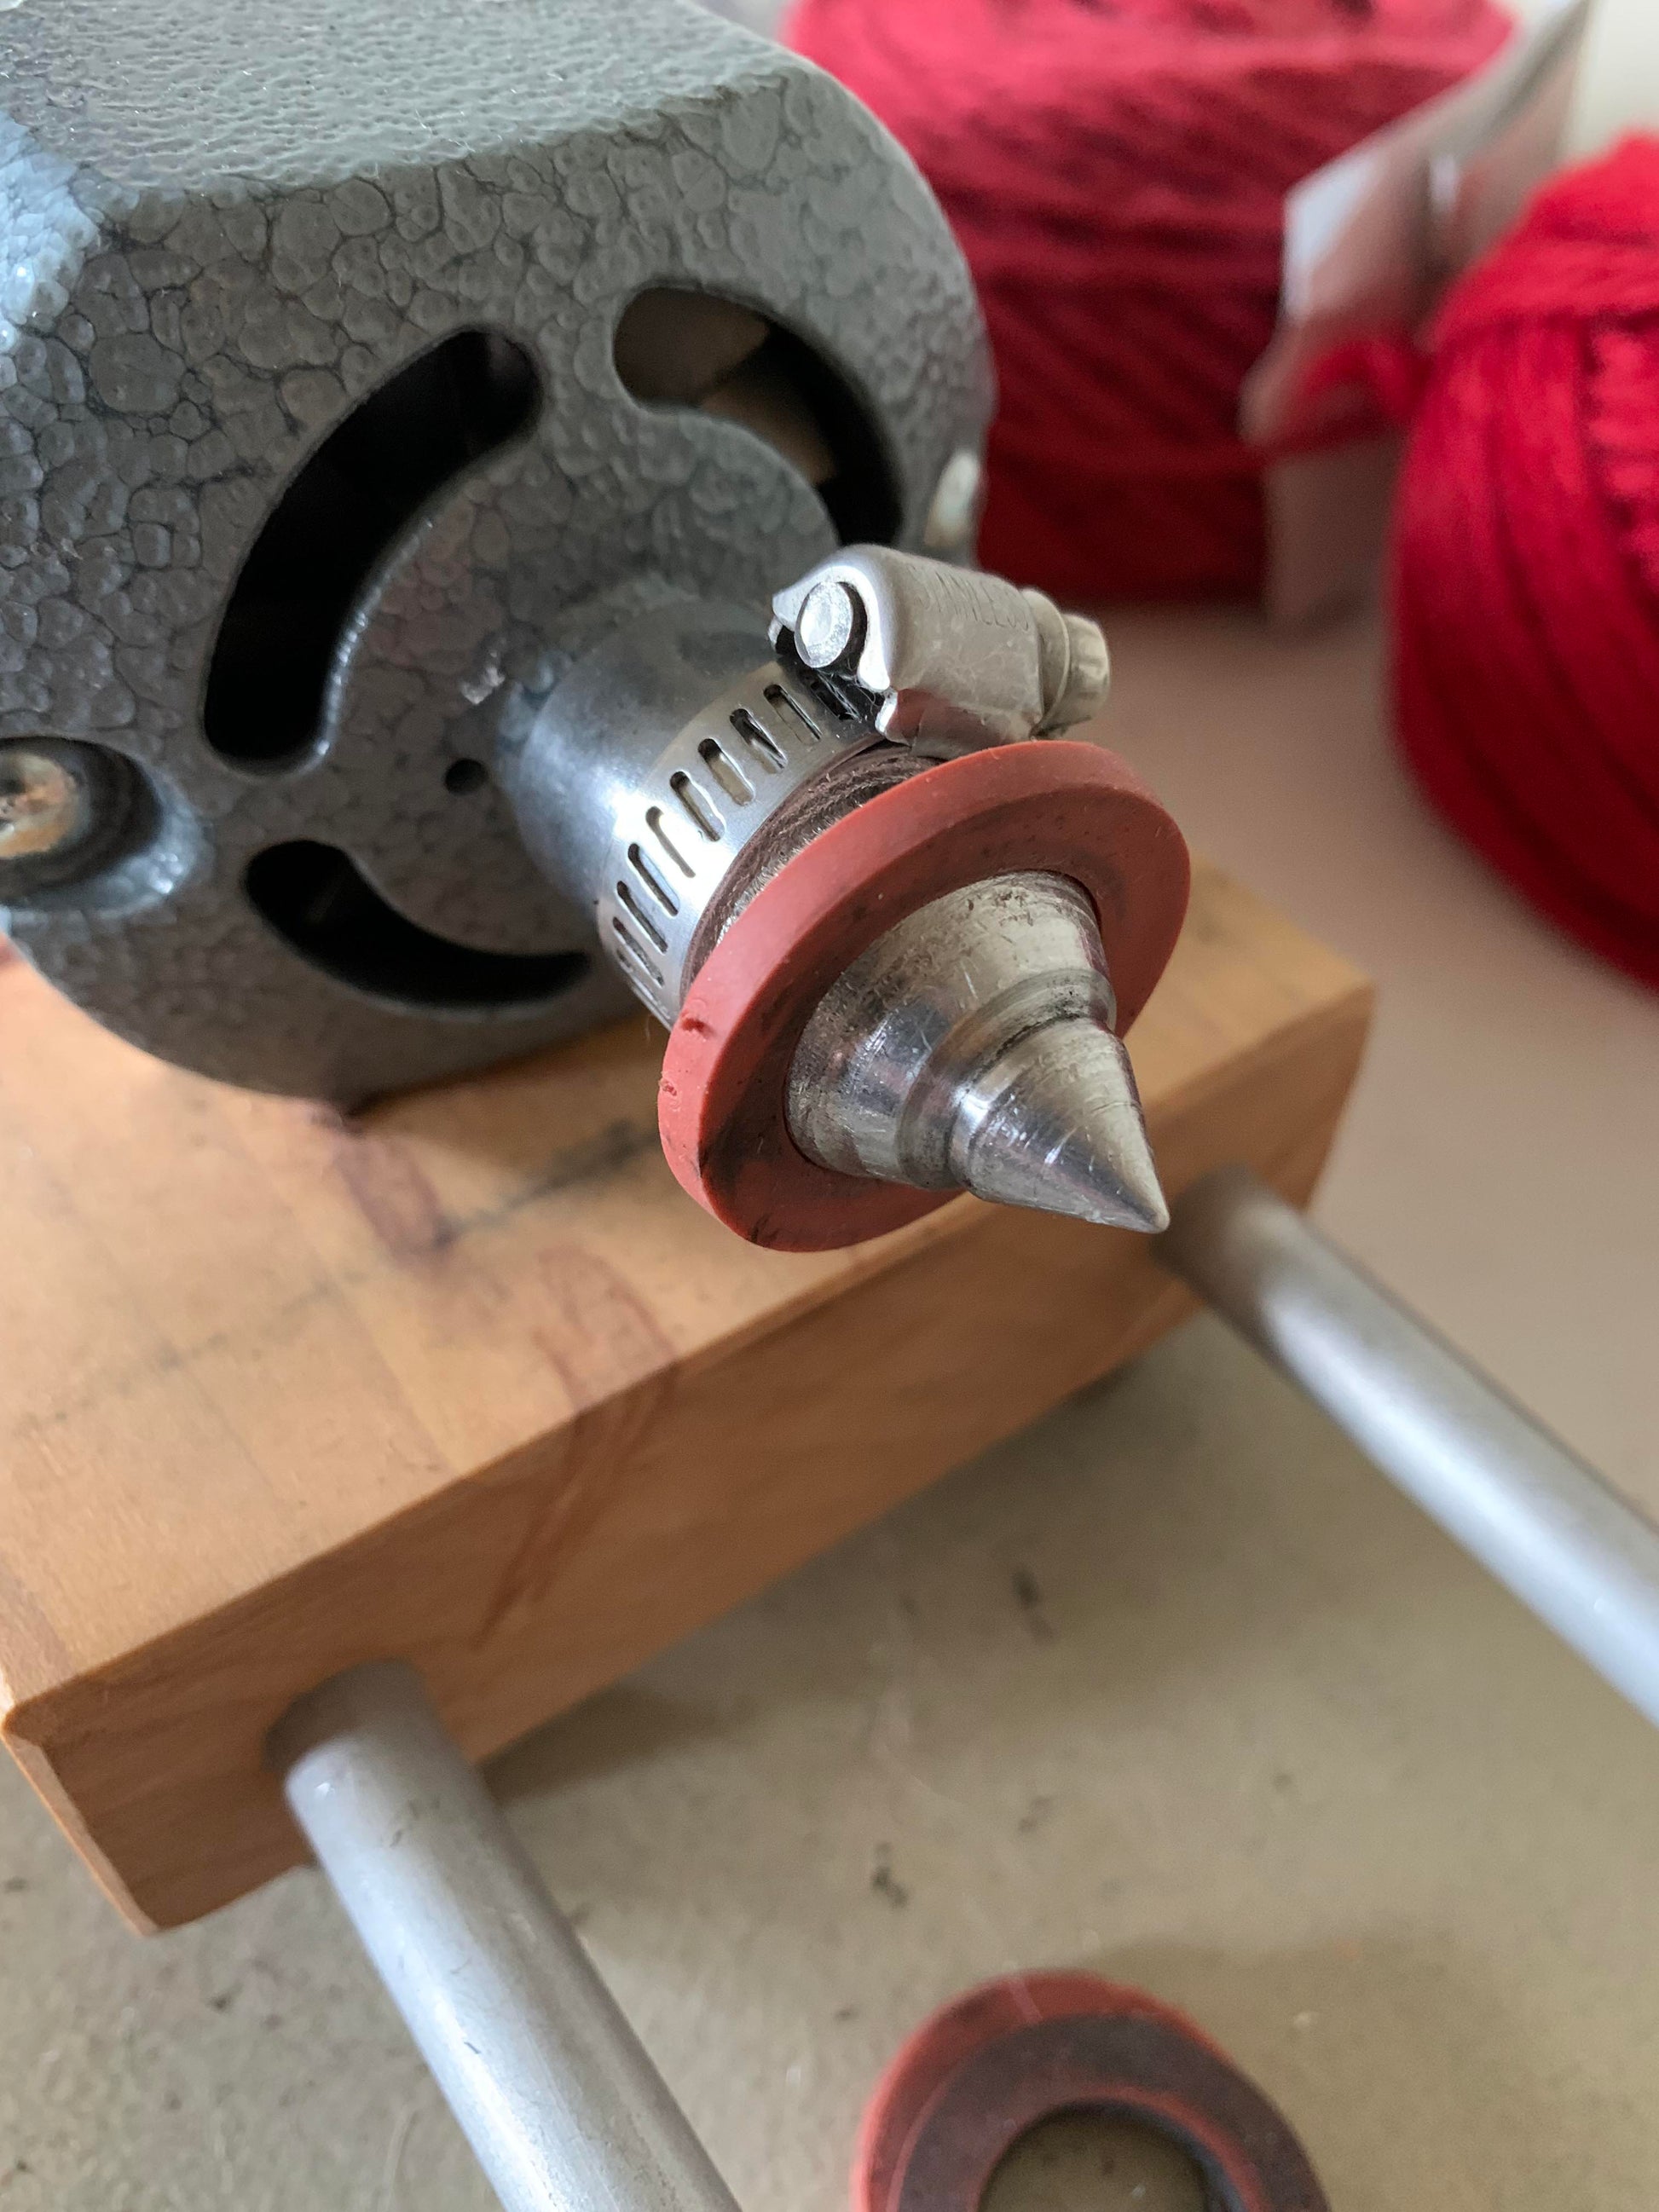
[[1545, 1524], [554, 2092]]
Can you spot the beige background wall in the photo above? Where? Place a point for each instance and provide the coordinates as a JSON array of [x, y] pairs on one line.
[[1619, 90]]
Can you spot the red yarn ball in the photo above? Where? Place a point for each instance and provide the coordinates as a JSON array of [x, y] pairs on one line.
[[1116, 173], [1526, 559]]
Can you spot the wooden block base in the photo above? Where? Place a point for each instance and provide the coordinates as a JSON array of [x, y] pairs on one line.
[[473, 1383]]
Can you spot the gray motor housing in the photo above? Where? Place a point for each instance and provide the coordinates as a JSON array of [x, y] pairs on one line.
[[236, 241]]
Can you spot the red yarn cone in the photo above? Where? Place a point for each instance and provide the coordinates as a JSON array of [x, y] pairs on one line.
[[1526, 560], [1116, 172]]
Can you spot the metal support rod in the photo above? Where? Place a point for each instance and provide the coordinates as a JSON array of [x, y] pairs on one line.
[[550, 2085], [1545, 1524]]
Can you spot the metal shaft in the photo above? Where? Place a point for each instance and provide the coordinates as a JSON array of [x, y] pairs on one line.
[[554, 2093], [1545, 1524]]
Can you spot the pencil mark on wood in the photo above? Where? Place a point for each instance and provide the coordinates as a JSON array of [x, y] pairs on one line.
[[617, 1368], [392, 1194]]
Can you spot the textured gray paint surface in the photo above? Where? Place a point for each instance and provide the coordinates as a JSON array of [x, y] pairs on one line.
[[224, 226]]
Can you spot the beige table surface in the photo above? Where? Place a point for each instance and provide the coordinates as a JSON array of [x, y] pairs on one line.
[[1171, 1685]]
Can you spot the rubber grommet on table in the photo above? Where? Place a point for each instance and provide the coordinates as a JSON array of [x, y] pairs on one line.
[[996, 2063], [1057, 806]]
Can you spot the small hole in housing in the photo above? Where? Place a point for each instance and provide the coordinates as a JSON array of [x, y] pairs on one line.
[[462, 777], [763, 745], [698, 805], [725, 770]]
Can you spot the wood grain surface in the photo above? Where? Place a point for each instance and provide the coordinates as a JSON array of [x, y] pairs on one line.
[[470, 1380]]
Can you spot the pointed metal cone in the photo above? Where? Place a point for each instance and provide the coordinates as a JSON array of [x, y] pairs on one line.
[[1062, 1130], [971, 1047]]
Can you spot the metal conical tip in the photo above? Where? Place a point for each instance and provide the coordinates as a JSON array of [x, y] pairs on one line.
[[1055, 1123], [971, 1047]]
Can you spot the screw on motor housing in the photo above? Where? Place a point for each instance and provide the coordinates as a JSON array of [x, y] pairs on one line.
[[66, 812]]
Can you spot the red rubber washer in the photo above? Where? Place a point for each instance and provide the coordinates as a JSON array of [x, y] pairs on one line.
[[1057, 806], [995, 2063]]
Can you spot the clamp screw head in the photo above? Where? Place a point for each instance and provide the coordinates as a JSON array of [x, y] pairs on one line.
[[826, 625], [46, 807]]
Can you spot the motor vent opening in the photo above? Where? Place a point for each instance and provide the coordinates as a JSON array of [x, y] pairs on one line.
[[682, 349], [317, 899], [343, 512]]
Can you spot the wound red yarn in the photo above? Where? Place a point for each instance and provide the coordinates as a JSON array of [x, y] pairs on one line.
[[1116, 172], [1526, 559]]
